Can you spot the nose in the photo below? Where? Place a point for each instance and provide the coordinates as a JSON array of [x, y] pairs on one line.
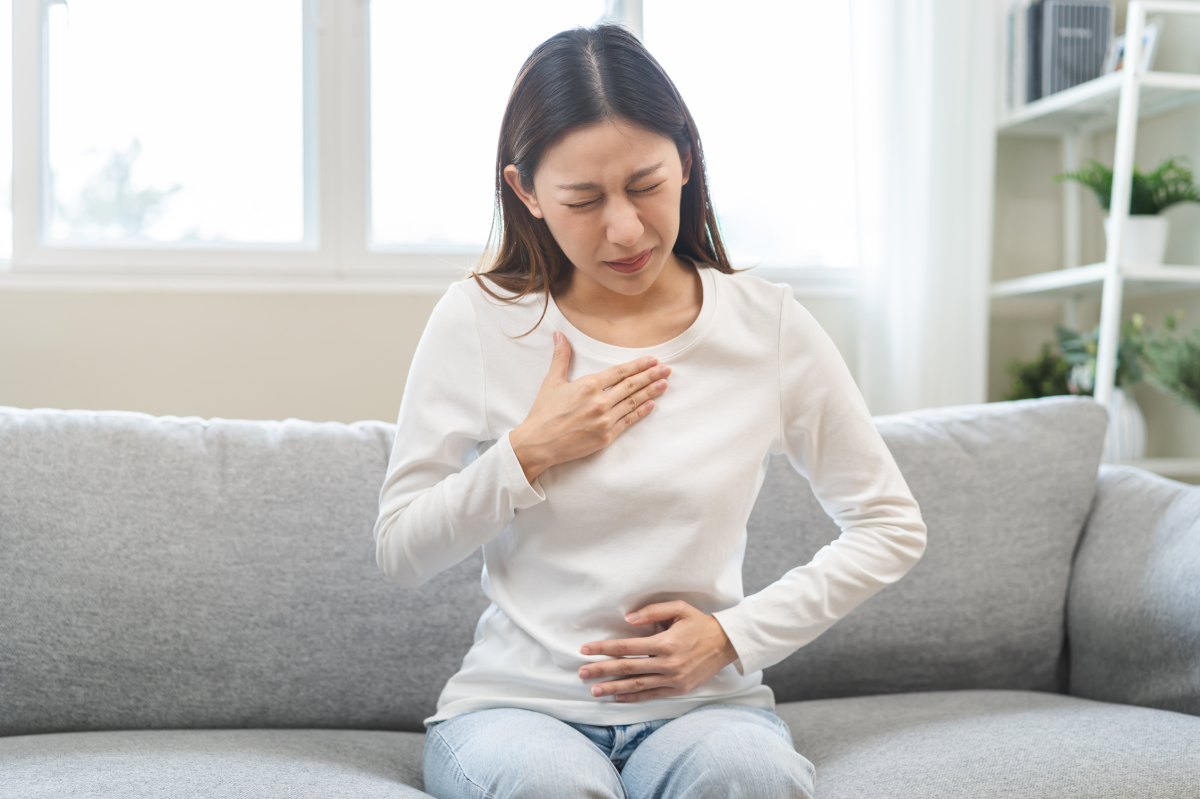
[[623, 223]]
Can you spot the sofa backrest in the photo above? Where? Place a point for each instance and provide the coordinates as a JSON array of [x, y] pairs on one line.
[[1004, 490], [177, 572], [1133, 611]]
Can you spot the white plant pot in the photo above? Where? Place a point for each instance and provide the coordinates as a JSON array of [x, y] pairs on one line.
[[1145, 239], [1126, 437]]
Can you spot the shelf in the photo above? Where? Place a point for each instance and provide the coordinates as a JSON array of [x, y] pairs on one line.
[[1168, 467], [1092, 106], [1087, 281]]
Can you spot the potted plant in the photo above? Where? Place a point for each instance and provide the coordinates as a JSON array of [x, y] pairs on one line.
[[1044, 376], [1173, 361], [1145, 240], [1126, 439], [1072, 370]]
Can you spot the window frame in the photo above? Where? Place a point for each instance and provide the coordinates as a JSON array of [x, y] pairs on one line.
[[336, 255]]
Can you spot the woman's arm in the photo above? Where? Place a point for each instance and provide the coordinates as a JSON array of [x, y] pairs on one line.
[[439, 502], [827, 433]]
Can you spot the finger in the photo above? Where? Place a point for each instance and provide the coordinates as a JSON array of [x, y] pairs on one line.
[[635, 400], [633, 685], [623, 667], [622, 391], [561, 362], [653, 693], [626, 647], [661, 611], [615, 374], [634, 416]]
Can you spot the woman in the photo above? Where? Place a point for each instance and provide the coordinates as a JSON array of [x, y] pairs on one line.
[[619, 656]]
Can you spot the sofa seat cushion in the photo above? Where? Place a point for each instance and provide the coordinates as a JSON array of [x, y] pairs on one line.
[[995, 744], [212, 764]]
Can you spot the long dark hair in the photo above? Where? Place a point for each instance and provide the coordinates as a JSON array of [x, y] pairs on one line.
[[580, 77]]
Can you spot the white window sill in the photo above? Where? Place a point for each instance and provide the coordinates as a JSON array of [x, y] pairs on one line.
[[805, 281]]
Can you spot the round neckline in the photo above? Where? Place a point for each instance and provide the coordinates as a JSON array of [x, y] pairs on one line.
[[667, 349]]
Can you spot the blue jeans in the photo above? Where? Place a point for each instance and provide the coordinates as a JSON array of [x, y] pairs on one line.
[[712, 751]]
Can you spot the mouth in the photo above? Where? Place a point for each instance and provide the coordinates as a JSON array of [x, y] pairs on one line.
[[631, 264]]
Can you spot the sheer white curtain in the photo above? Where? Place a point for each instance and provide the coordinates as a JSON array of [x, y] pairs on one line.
[[924, 93]]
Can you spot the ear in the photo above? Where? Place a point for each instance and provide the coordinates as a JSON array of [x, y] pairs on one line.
[[686, 160], [513, 178]]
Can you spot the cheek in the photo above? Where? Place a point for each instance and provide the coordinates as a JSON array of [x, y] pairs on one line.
[[575, 233], [663, 214]]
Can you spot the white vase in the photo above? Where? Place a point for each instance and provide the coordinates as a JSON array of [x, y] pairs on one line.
[[1145, 239], [1126, 437]]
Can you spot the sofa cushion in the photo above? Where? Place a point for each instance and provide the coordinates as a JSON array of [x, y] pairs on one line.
[[1004, 490], [1012, 744], [164, 572], [212, 764], [1134, 608]]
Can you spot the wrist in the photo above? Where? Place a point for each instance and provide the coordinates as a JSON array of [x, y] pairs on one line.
[[728, 651], [528, 456]]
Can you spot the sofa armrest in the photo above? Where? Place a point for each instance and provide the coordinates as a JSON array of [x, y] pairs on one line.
[[1133, 608]]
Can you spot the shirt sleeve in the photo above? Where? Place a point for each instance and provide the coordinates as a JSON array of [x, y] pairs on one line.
[[441, 499], [827, 433]]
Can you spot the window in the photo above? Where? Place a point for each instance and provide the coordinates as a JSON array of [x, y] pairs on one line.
[[175, 123], [355, 139], [768, 84], [433, 139]]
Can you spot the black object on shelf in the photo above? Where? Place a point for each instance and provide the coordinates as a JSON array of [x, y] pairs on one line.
[[1033, 52], [1075, 37], [1054, 45]]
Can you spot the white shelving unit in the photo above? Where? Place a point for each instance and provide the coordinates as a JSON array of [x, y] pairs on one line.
[[1118, 99]]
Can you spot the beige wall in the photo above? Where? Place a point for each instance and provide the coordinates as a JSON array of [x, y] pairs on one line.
[[323, 357], [248, 356]]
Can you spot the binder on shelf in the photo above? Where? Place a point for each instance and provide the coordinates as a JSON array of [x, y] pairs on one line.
[[1075, 35], [1052, 45]]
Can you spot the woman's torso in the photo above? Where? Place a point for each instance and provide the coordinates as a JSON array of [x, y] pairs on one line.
[[657, 515]]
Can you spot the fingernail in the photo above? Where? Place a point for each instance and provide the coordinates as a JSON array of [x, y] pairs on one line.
[[620, 697], [557, 336], [631, 617], [651, 361], [595, 690], [666, 370], [662, 384], [583, 674], [586, 650]]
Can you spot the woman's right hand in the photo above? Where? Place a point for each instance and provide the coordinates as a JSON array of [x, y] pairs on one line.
[[572, 419]]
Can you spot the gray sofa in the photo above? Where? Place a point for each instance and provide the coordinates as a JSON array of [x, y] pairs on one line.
[[191, 608]]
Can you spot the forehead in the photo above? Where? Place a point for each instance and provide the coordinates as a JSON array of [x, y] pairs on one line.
[[603, 153]]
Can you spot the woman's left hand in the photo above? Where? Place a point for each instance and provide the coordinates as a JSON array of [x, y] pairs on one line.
[[680, 659]]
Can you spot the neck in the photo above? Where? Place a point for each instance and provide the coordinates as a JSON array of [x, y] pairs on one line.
[[589, 298]]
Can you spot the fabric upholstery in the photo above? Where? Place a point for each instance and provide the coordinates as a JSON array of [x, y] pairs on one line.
[[212, 764], [994, 745], [1134, 607], [984, 744], [178, 572], [166, 572], [1004, 490]]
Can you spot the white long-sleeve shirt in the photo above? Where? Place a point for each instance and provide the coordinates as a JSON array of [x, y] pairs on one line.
[[660, 514]]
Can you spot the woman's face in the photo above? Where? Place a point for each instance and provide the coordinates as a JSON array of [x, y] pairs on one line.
[[610, 196]]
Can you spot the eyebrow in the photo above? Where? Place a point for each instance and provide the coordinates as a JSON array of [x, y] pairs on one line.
[[641, 173]]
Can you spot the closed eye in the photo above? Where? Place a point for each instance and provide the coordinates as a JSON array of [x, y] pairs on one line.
[[631, 191]]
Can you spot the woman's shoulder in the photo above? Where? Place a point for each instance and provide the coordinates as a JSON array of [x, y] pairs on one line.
[[751, 293], [494, 306]]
